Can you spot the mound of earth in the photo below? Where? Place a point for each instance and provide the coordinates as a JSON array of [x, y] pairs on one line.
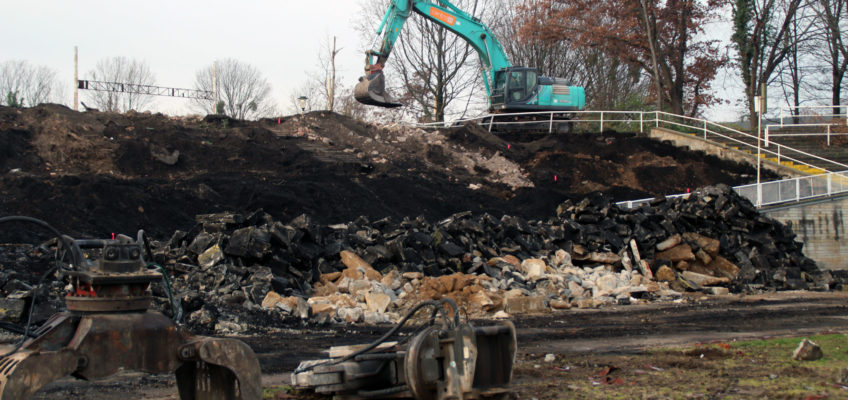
[[94, 173]]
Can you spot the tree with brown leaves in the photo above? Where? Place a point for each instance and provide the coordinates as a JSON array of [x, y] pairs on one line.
[[639, 32]]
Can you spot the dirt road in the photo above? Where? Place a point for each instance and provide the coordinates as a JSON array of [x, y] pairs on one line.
[[581, 334]]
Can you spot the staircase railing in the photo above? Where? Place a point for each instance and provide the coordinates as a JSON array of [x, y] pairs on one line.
[[706, 129]]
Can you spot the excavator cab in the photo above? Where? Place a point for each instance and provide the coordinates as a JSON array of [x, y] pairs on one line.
[[514, 86]]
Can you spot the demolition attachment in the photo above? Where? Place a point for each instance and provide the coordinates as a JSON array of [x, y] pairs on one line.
[[108, 328], [371, 89], [452, 361]]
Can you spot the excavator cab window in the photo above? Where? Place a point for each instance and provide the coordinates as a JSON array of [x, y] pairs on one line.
[[521, 84], [515, 86]]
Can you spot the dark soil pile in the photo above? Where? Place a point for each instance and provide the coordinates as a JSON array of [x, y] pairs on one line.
[[94, 173]]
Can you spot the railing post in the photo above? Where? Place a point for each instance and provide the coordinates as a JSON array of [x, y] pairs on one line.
[[551, 126], [602, 122], [641, 118], [828, 135], [829, 183], [705, 129], [766, 137], [778, 153], [657, 118], [491, 121]]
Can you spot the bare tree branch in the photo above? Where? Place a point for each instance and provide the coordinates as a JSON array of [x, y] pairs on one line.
[[121, 70], [241, 87]]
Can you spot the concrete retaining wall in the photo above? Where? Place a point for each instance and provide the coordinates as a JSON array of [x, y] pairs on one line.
[[720, 150], [821, 226]]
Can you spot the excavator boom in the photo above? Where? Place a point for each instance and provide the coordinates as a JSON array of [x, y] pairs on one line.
[[371, 87]]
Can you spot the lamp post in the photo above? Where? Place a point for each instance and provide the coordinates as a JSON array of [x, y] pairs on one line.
[[760, 106], [302, 102]]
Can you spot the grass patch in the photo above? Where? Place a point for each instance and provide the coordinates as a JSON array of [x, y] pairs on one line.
[[738, 370]]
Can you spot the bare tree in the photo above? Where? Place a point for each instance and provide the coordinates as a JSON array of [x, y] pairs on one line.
[[322, 84], [241, 87], [832, 20], [22, 84], [126, 71], [789, 75], [760, 31]]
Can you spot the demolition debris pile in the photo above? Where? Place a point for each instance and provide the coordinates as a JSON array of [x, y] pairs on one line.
[[592, 253], [486, 232], [94, 173]]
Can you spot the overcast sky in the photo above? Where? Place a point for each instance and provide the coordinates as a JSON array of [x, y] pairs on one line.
[[176, 38], [282, 38]]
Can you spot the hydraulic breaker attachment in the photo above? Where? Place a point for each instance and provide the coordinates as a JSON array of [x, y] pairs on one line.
[[439, 363], [371, 90], [108, 329]]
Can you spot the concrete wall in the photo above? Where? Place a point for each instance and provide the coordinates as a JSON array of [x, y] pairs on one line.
[[820, 224], [720, 150]]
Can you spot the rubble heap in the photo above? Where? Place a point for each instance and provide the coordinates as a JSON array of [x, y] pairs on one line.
[[591, 253]]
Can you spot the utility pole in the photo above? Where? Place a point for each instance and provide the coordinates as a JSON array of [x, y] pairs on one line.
[[331, 83], [76, 80]]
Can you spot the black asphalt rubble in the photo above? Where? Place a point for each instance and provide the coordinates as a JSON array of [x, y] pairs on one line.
[[590, 253]]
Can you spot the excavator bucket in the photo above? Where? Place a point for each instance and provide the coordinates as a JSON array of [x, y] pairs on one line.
[[371, 90]]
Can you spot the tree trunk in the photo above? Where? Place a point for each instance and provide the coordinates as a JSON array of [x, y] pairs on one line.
[[653, 49], [331, 84]]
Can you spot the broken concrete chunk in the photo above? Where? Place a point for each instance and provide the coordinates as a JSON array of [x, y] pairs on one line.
[[220, 218], [721, 266], [11, 309], [164, 156], [672, 241], [704, 280], [665, 274], [711, 246], [377, 302], [210, 257], [525, 304], [534, 268], [681, 252], [604, 258]]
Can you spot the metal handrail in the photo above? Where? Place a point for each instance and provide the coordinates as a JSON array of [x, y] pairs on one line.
[[831, 183], [700, 125]]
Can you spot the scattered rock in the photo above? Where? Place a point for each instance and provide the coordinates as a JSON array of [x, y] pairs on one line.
[[807, 350]]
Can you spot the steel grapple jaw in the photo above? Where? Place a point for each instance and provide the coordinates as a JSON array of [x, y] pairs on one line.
[[371, 90], [108, 329]]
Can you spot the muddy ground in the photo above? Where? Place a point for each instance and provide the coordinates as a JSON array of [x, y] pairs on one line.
[[93, 173], [584, 342]]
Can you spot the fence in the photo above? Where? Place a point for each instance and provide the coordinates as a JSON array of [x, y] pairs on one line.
[[643, 119], [779, 192], [836, 123]]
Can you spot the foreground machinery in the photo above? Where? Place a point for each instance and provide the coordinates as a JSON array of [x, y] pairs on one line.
[[510, 89], [108, 328], [452, 360]]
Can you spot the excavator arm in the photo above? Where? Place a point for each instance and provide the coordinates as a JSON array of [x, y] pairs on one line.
[[371, 87]]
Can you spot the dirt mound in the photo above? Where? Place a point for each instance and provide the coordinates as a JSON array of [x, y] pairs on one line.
[[94, 173]]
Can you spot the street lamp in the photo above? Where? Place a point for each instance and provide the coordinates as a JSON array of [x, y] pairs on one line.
[[302, 102], [760, 106]]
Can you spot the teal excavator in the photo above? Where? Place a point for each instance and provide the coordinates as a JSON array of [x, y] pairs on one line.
[[511, 89]]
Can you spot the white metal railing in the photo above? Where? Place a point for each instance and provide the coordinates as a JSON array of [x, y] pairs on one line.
[[808, 129], [812, 112], [779, 192], [706, 129]]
